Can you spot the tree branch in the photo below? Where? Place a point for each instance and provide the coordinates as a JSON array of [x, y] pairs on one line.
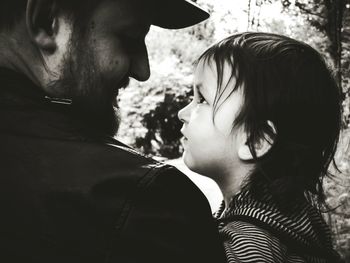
[[303, 8]]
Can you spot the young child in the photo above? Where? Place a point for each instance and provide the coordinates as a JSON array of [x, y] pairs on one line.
[[264, 124]]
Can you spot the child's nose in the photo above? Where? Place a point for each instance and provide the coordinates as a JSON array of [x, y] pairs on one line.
[[184, 114]]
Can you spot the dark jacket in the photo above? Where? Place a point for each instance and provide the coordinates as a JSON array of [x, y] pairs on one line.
[[65, 197], [257, 230]]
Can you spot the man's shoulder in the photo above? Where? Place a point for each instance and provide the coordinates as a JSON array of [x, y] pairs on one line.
[[157, 178], [120, 157], [113, 159], [74, 159], [154, 173]]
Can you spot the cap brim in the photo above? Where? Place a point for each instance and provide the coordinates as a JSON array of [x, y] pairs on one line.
[[176, 14]]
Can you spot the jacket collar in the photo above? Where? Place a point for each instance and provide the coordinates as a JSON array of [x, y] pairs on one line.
[[25, 109], [302, 225], [18, 91]]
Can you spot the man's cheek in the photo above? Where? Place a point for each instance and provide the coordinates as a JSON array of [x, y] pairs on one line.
[[109, 55]]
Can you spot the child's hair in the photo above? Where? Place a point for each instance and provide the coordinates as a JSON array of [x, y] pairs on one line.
[[288, 83]]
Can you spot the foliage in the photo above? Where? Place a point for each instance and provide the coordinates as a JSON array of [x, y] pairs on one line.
[[153, 117], [338, 197]]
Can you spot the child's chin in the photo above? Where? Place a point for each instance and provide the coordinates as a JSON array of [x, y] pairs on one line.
[[188, 161]]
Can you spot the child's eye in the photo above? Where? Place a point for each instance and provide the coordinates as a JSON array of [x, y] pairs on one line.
[[200, 99], [190, 95]]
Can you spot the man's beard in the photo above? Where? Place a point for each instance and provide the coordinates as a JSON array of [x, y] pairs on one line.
[[93, 98]]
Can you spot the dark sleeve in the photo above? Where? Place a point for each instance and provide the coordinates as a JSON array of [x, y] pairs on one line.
[[169, 221]]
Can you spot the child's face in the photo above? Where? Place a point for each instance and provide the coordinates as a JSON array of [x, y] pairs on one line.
[[211, 147]]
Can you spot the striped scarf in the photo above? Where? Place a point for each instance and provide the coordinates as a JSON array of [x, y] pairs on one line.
[[258, 231]]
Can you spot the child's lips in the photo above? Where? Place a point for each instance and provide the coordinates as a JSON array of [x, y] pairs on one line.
[[183, 140]]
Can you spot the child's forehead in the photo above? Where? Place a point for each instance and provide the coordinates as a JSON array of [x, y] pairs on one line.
[[207, 71], [226, 65], [206, 64], [204, 75]]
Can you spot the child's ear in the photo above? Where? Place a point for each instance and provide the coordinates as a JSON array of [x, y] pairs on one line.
[[261, 148]]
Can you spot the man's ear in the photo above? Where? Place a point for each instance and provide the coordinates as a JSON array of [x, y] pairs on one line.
[[42, 25], [261, 148]]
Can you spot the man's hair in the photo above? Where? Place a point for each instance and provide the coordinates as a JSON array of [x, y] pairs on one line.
[[11, 11], [288, 83]]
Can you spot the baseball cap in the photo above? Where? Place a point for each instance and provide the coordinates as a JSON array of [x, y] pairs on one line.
[[176, 14]]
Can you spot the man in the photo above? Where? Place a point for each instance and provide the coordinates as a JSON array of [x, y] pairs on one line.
[[68, 191]]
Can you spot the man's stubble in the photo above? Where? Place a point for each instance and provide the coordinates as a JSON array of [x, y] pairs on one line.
[[93, 97]]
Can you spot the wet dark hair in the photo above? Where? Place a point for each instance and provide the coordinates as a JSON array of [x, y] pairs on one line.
[[288, 83]]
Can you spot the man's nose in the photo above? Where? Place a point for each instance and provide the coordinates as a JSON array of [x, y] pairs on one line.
[[139, 68], [184, 113]]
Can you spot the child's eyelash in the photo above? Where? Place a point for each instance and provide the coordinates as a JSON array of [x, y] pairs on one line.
[[201, 99], [190, 95]]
